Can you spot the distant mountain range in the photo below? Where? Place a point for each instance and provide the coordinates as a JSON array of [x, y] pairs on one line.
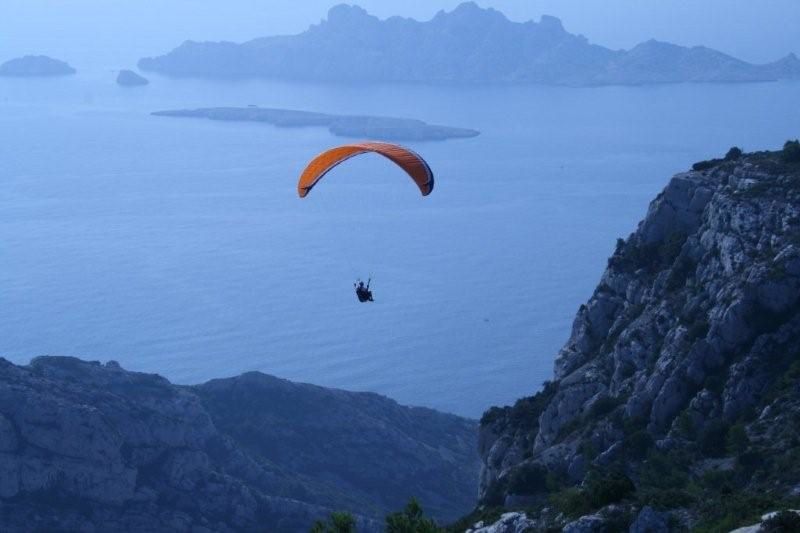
[[466, 45]]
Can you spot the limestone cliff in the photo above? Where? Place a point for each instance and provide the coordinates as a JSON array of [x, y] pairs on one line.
[[677, 396]]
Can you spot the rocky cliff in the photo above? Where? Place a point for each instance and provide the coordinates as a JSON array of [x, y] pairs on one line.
[[92, 447], [676, 399], [466, 45]]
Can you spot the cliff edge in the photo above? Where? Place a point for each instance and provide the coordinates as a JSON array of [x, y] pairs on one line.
[[676, 399]]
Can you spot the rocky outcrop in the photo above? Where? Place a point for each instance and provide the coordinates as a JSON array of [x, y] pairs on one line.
[[680, 378], [92, 447], [466, 45], [128, 78], [508, 523], [35, 66], [362, 127]]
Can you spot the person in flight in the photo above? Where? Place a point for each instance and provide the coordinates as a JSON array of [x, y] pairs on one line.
[[362, 291]]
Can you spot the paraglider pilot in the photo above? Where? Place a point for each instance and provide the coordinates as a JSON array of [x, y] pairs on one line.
[[363, 292]]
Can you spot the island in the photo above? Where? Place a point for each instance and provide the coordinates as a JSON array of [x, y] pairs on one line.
[[35, 66], [128, 78], [354, 126], [468, 45]]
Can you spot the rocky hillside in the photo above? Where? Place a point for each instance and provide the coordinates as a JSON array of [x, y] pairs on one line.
[[92, 447], [676, 400], [466, 45]]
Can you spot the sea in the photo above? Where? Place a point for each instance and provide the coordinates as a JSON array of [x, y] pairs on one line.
[[180, 246]]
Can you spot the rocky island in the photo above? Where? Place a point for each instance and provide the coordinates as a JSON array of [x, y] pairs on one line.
[[35, 66], [92, 447], [128, 78], [676, 400], [466, 45], [385, 128]]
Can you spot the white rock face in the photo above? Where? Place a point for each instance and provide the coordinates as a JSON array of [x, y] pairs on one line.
[[508, 523], [757, 527], [695, 320]]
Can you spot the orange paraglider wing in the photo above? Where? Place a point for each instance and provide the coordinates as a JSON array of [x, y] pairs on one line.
[[413, 164]]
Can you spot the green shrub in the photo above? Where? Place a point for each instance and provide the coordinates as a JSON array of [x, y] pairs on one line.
[[411, 520], [683, 268], [572, 502], [492, 415], [637, 444], [712, 438], [705, 165], [698, 329], [654, 257], [602, 490], [603, 406], [750, 460], [737, 440], [791, 152], [719, 481], [337, 523], [526, 411], [666, 498], [665, 471], [715, 383], [724, 513], [528, 479], [733, 154]]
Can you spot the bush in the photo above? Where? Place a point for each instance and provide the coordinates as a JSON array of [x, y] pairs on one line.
[[733, 154], [528, 479], [603, 406], [664, 471], [526, 411], [572, 502], [608, 489], [725, 513], [705, 165], [411, 520], [337, 523], [712, 439], [783, 522], [737, 440], [791, 152], [698, 330], [637, 444], [495, 494], [492, 415], [666, 498]]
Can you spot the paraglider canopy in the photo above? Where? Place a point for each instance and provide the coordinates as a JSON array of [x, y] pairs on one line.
[[416, 167]]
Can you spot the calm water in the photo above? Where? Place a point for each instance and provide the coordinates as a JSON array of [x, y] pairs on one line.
[[180, 247]]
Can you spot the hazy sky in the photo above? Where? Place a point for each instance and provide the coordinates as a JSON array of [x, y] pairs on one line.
[[109, 31]]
